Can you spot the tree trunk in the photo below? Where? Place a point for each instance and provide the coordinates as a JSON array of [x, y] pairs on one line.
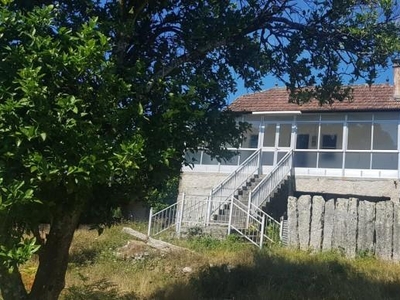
[[11, 285], [53, 257]]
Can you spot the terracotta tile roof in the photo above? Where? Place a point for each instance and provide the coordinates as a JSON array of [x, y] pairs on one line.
[[365, 98]]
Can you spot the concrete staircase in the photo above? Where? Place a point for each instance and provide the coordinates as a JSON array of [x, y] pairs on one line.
[[239, 204], [242, 195]]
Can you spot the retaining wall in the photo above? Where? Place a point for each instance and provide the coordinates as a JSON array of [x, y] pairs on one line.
[[351, 225]]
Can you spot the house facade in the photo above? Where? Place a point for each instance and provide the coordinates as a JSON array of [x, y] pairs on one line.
[[350, 147], [335, 167]]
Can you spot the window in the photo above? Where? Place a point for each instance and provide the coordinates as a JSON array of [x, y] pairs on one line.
[[359, 137], [269, 135], [253, 141], [251, 136], [302, 141], [285, 132], [329, 141], [310, 130], [331, 136], [385, 136]]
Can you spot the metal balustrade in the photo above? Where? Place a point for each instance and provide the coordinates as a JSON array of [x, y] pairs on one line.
[[272, 231], [253, 230], [223, 207], [222, 194], [269, 183], [190, 212], [257, 228], [163, 219]]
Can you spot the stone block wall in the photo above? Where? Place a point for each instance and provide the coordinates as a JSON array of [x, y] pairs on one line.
[[350, 225]]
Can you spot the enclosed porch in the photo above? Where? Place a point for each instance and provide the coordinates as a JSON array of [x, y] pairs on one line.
[[354, 144]]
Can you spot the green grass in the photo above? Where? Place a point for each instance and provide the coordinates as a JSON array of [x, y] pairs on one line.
[[228, 269]]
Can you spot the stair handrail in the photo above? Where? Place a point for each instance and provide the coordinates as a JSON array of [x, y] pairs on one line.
[[235, 180], [270, 182]]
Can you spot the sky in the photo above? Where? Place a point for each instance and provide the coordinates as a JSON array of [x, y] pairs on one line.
[[270, 82]]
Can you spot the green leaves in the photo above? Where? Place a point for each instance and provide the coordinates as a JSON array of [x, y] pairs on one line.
[[64, 131], [17, 254]]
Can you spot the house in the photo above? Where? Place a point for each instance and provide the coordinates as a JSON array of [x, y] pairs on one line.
[[348, 148], [338, 148]]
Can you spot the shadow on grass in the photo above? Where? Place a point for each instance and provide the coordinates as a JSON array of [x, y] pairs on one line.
[[275, 277], [99, 290], [83, 256]]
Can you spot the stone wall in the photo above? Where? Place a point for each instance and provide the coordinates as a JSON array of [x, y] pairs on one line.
[[348, 224]]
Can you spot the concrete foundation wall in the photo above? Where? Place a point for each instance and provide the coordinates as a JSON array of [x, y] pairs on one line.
[[349, 186], [199, 184]]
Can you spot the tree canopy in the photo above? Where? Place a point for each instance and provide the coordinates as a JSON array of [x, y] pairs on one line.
[[100, 100]]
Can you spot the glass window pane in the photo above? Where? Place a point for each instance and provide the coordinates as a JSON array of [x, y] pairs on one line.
[[281, 154], [207, 160], [244, 154], [251, 136], [285, 135], [385, 161], [390, 115], [357, 160], [267, 158], [252, 118], [305, 159], [269, 135], [331, 136], [385, 136], [308, 117], [332, 117], [330, 160], [231, 162], [276, 118], [359, 116], [193, 157], [359, 136], [307, 135]]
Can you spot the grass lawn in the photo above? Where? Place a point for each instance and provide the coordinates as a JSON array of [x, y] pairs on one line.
[[216, 269]]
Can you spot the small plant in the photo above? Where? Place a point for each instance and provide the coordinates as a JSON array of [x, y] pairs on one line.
[[365, 254], [195, 231]]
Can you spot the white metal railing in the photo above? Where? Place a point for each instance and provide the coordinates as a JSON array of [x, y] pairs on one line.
[[271, 228], [194, 212], [272, 231], [221, 194], [253, 232], [256, 228], [270, 182], [191, 212], [163, 219], [222, 208]]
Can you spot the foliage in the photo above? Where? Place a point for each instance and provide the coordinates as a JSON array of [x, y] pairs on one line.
[[60, 119]]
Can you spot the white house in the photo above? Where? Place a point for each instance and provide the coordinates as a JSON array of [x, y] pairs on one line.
[[336, 147], [347, 148]]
